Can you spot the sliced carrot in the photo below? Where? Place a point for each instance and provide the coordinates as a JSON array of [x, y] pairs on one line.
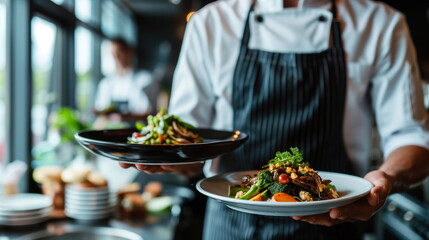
[[161, 138], [283, 197], [257, 198]]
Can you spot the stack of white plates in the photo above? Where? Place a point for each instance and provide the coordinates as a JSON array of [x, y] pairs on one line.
[[24, 209], [89, 203]]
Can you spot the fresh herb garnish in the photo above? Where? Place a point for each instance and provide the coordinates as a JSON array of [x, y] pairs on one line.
[[292, 158]]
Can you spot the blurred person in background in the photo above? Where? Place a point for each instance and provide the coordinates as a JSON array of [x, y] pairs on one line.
[[128, 94]]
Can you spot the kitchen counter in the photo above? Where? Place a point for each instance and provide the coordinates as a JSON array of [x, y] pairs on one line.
[[153, 227], [183, 221]]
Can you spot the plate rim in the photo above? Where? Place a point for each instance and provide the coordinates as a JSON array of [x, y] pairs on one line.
[[26, 209], [79, 138], [285, 204], [218, 143], [25, 223]]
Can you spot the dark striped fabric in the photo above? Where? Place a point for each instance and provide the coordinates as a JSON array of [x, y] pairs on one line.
[[285, 100], [227, 224]]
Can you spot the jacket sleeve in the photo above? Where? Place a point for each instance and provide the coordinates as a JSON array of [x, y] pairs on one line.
[[396, 94], [192, 93]]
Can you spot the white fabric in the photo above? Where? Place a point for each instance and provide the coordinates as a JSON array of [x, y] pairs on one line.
[[306, 34], [381, 65], [138, 88]]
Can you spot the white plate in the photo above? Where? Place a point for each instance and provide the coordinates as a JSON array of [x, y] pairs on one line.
[[24, 217], [90, 198], [25, 213], [24, 202], [88, 194], [84, 207], [28, 221], [88, 191], [350, 188], [89, 215], [90, 202], [18, 219], [106, 210], [90, 205]]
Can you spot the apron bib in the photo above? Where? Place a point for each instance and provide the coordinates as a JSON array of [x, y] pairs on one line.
[[121, 106], [285, 100]]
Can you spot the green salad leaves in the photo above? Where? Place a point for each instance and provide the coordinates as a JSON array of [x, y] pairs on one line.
[[164, 128]]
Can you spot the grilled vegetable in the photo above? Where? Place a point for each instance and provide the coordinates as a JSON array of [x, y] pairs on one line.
[[265, 179], [283, 197], [286, 178]]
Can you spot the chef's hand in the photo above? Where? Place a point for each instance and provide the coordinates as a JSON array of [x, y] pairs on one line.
[[361, 210], [188, 170]]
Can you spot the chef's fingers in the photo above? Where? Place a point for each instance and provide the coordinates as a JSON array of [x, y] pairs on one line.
[[150, 169], [365, 208], [382, 187], [376, 196], [126, 165], [357, 211], [320, 219], [185, 169]]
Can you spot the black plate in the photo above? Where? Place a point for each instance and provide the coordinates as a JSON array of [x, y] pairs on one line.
[[113, 144]]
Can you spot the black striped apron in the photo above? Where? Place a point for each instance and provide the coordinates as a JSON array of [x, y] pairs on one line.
[[285, 100]]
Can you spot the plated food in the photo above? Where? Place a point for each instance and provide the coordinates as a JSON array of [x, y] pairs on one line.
[[113, 144], [286, 178], [164, 140], [164, 128], [350, 188]]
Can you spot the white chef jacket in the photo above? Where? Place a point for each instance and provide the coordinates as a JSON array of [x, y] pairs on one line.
[[383, 83], [138, 88]]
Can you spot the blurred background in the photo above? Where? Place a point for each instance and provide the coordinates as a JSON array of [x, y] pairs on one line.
[[53, 54]]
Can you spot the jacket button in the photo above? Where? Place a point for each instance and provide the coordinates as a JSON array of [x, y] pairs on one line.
[[259, 18], [322, 19]]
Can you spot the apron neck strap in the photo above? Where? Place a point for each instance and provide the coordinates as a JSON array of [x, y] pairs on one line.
[[334, 10], [246, 33]]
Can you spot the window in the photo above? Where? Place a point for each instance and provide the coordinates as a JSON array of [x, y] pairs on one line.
[[108, 18], [83, 10], [63, 38], [107, 61], [2, 80], [44, 40], [85, 86], [65, 3], [118, 22]]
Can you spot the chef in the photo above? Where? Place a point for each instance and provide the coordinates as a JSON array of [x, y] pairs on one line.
[[129, 93], [312, 74]]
